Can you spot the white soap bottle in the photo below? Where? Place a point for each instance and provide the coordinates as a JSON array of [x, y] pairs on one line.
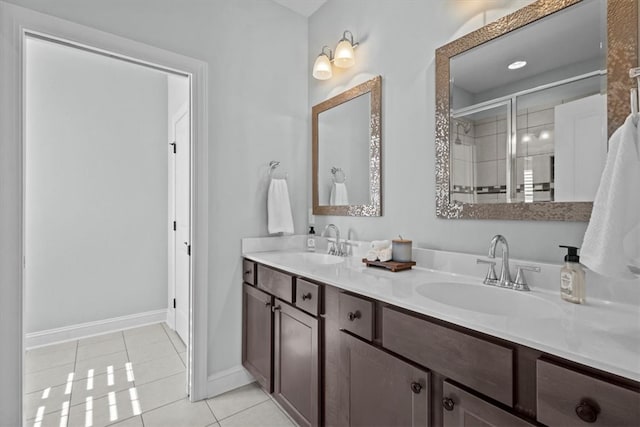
[[311, 239], [572, 277]]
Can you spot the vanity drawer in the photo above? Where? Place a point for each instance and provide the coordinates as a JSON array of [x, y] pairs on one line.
[[569, 398], [356, 315], [249, 271], [276, 283], [308, 296], [462, 409], [484, 366]]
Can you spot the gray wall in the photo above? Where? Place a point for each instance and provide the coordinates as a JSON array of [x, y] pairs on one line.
[[398, 41], [257, 56], [96, 194]]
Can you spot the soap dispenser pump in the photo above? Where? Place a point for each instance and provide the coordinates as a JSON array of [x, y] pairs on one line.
[[572, 277]]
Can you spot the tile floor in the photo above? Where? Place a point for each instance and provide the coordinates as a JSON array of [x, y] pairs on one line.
[[131, 378]]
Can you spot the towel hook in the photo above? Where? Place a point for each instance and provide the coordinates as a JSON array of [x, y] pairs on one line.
[[273, 165], [338, 174]]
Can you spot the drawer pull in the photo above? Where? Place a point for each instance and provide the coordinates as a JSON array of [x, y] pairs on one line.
[[353, 316], [416, 387], [247, 272], [306, 296], [274, 308], [267, 303], [447, 404], [587, 411]]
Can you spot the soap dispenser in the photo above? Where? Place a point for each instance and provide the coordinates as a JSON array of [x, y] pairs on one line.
[[311, 239], [572, 278]]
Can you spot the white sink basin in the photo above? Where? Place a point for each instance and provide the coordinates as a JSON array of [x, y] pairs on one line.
[[316, 258], [489, 299], [311, 258]]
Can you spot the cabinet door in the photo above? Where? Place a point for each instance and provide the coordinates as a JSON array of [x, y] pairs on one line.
[[296, 361], [378, 389], [462, 409], [257, 335]]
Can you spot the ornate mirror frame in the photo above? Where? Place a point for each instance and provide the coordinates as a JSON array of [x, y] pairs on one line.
[[374, 207], [622, 36]]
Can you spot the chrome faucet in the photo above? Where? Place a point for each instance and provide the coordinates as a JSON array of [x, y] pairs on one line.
[[337, 248], [505, 276]]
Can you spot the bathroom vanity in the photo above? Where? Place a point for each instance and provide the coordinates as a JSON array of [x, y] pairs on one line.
[[340, 344]]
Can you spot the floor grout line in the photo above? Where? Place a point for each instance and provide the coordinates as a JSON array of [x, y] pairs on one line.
[[242, 410]]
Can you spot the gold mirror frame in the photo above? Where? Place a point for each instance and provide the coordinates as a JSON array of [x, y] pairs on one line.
[[622, 36], [374, 207]]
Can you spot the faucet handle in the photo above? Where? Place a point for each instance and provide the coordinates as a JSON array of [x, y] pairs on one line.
[[520, 283], [491, 277]]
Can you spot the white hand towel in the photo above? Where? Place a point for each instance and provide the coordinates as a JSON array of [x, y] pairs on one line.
[[339, 195], [380, 244], [612, 240], [384, 254], [279, 215], [371, 255]]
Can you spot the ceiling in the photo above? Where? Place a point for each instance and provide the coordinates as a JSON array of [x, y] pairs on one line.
[[569, 37], [303, 7]]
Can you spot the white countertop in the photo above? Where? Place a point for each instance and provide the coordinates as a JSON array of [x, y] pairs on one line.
[[601, 334]]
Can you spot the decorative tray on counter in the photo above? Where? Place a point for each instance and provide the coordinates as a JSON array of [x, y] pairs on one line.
[[390, 265]]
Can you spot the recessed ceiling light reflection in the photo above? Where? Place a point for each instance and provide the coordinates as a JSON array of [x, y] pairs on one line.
[[516, 65], [545, 134]]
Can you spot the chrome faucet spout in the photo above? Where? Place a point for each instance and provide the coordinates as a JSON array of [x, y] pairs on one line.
[[337, 248], [505, 275]]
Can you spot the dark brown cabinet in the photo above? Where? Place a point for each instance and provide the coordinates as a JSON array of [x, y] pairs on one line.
[[296, 362], [337, 358], [464, 409], [378, 389], [570, 398], [257, 338]]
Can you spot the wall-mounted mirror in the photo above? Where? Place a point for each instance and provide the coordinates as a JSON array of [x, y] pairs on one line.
[[525, 106], [346, 152]]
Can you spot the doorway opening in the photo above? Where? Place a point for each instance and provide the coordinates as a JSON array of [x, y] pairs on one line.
[[104, 135]]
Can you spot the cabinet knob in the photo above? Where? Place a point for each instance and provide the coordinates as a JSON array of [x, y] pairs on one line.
[[587, 411], [448, 404], [416, 387], [306, 296], [274, 308], [353, 316]]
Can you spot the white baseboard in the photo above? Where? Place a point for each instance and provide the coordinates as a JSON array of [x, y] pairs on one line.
[[227, 380], [99, 327]]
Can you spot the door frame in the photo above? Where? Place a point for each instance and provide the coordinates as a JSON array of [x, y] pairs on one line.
[[15, 24]]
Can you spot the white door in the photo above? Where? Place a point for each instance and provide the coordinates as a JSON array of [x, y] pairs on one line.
[[581, 148], [182, 225]]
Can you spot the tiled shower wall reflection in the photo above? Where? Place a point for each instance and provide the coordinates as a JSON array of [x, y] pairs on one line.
[[484, 146]]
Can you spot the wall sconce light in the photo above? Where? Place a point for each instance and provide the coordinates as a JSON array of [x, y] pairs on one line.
[[344, 57], [322, 67]]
